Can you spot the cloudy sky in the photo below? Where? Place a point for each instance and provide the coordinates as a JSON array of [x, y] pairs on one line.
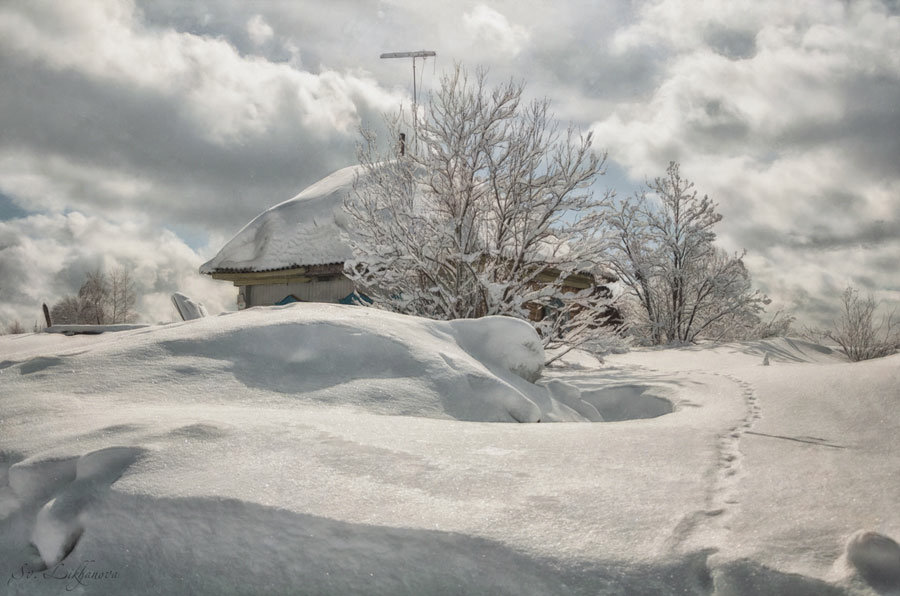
[[146, 133]]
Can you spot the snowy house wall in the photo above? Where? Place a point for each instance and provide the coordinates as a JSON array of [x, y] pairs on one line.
[[298, 284]]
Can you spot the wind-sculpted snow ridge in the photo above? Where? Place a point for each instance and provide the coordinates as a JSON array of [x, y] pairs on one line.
[[790, 350], [45, 505], [385, 363]]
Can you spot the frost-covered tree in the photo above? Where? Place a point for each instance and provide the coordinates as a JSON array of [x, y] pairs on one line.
[[664, 255], [780, 325], [488, 211]]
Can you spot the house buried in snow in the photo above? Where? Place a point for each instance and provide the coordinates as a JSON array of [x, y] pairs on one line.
[[295, 252]]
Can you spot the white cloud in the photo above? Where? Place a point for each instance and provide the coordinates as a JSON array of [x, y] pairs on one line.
[[259, 30], [229, 97], [51, 182], [111, 114], [45, 257], [489, 28]]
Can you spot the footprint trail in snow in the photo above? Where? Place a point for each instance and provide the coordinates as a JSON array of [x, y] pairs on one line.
[[724, 476]]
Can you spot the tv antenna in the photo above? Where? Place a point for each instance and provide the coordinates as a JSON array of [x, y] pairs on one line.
[[419, 54]]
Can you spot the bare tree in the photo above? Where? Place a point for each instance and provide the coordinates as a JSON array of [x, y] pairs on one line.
[[122, 297], [68, 311], [665, 256], [489, 211], [15, 328], [101, 300], [858, 333], [94, 296]]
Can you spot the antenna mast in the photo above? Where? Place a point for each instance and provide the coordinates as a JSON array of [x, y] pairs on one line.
[[419, 54]]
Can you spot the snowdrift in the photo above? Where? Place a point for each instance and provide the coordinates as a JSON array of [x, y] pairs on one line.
[[336, 355], [382, 362], [251, 454]]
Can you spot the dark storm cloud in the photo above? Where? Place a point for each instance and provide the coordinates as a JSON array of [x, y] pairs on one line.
[[732, 43], [865, 235], [868, 130], [154, 133], [143, 134]]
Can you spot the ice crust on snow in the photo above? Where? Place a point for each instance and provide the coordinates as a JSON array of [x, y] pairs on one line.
[[304, 230]]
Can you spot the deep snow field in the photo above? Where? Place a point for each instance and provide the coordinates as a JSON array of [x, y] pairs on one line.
[[323, 449]]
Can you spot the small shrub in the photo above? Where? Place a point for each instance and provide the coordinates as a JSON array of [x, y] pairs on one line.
[[15, 328], [858, 332]]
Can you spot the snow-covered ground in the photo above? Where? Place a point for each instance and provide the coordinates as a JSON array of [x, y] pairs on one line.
[[341, 450]]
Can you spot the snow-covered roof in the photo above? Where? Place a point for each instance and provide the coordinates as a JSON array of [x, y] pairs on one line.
[[304, 230], [309, 230]]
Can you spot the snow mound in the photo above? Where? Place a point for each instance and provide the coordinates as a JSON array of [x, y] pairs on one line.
[[239, 454], [336, 355], [508, 343], [304, 230], [877, 559]]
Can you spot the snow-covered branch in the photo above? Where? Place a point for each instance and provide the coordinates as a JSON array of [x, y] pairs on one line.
[[489, 211]]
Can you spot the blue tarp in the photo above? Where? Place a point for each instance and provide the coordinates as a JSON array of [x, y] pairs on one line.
[[355, 299], [287, 300]]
